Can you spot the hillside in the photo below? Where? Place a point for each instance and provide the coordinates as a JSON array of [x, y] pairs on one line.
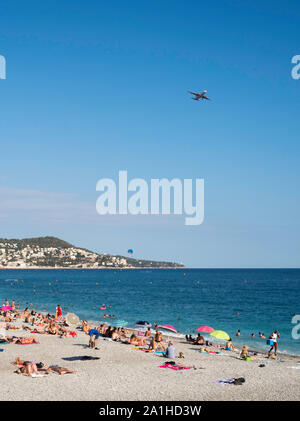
[[52, 252]]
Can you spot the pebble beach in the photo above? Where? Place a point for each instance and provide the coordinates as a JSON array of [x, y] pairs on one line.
[[124, 373]]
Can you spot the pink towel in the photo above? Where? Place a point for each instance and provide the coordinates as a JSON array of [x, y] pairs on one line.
[[174, 367]]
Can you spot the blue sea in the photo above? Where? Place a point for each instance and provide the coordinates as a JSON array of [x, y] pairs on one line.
[[251, 300]]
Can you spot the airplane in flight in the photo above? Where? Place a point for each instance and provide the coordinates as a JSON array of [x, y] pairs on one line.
[[198, 96]]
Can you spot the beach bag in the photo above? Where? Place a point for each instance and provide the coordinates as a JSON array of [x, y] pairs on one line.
[[270, 342]]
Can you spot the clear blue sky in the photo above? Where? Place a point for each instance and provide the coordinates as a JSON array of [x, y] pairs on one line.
[[94, 87]]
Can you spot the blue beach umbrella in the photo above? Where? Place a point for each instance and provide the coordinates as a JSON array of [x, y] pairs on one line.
[[119, 323]]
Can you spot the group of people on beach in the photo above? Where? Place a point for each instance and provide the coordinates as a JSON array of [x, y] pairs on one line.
[[47, 323], [153, 342], [274, 336], [40, 323]]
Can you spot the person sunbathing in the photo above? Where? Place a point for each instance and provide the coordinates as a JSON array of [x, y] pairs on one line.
[[20, 362], [199, 340], [229, 345], [244, 352], [28, 368], [115, 335], [53, 330], [155, 345], [158, 337], [25, 341], [134, 340], [59, 370]]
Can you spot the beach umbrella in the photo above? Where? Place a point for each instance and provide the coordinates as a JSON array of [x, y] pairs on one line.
[[143, 323], [72, 319], [119, 323], [6, 308], [168, 327], [220, 334], [205, 329]]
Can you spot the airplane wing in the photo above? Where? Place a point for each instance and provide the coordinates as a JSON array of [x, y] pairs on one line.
[[205, 97], [193, 93]]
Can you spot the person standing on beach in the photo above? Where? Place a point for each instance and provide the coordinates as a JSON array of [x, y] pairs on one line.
[[273, 337], [58, 312]]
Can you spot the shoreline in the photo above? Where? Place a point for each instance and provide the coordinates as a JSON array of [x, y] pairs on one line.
[[99, 268]]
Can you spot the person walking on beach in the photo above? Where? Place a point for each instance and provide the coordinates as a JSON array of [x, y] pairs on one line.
[[273, 337]]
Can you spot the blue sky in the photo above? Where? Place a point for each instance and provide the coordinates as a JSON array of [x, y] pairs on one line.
[[97, 87]]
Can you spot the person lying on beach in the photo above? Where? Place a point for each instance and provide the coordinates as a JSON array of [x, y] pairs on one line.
[[24, 327], [23, 340], [28, 368], [137, 341], [59, 370], [20, 362]]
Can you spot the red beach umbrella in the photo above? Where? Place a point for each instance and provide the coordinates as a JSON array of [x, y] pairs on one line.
[[205, 329]]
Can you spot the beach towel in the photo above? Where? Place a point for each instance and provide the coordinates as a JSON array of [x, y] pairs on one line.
[[175, 367], [224, 382], [30, 343], [236, 381], [81, 358], [38, 375]]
